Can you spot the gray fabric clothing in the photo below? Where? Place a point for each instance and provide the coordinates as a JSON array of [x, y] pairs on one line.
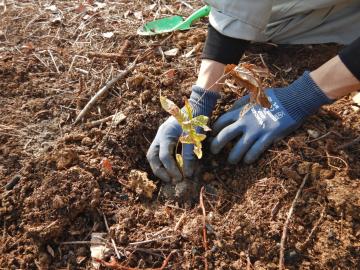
[[287, 21]]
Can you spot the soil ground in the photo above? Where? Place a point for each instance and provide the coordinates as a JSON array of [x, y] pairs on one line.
[[64, 190]]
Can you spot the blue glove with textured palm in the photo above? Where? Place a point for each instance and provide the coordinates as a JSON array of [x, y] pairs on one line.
[[259, 127], [161, 152]]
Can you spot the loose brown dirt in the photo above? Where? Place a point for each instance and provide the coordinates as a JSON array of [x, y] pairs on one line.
[[47, 75]]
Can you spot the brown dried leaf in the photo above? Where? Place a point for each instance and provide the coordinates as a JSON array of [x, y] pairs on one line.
[[229, 68], [247, 76]]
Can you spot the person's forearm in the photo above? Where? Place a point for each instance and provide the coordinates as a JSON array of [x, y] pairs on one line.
[[340, 75], [335, 79], [209, 75], [219, 50]]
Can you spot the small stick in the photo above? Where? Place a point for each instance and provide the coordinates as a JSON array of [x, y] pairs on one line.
[[262, 61], [81, 243], [104, 89], [166, 261], [346, 145], [275, 210], [313, 230], [100, 121], [204, 226], [73, 61], [115, 56], [106, 119], [52, 58], [112, 240], [149, 241], [124, 47], [286, 224], [186, 4], [113, 264], [41, 61], [325, 135], [328, 156], [181, 219], [248, 261]]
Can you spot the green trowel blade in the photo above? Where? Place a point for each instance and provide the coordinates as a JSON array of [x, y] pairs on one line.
[[160, 26]]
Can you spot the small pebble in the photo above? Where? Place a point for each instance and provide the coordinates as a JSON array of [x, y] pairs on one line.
[[313, 133]]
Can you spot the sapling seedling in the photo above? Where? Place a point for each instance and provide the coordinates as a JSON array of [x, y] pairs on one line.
[[246, 75], [188, 125]]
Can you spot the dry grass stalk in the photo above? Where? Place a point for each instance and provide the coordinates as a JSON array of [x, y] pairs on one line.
[[103, 90], [313, 231], [204, 226], [287, 221]]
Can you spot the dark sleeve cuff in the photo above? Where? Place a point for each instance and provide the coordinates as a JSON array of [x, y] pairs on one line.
[[350, 56], [223, 49]]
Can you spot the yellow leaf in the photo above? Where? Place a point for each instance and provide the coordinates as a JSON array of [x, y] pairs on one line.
[[200, 121], [188, 109], [171, 108], [198, 151], [187, 139], [198, 137], [179, 161]]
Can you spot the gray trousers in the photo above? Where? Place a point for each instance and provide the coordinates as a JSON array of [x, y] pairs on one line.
[[288, 21]]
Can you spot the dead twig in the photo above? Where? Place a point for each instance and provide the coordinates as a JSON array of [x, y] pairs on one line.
[[204, 226], [348, 144], [328, 157], [112, 240], [313, 231], [113, 264], [104, 89], [112, 56], [119, 118], [286, 224], [53, 60], [150, 241], [275, 210], [248, 261], [166, 261], [81, 243], [180, 221], [326, 135]]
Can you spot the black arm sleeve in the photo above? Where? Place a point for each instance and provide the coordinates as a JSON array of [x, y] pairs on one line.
[[223, 49], [350, 56]]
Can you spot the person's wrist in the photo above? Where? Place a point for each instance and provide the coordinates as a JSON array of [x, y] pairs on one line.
[[302, 98], [203, 101]]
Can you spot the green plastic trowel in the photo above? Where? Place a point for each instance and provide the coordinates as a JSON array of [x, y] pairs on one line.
[[170, 24]]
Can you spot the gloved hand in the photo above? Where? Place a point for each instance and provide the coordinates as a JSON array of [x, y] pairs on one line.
[[161, 154], [259, 127]]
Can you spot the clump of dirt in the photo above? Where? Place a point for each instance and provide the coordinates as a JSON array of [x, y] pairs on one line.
[[140, 183]]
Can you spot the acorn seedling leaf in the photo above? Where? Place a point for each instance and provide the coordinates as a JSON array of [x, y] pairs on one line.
[[200, 121], [198, 150], [179, 161], [171, 108]]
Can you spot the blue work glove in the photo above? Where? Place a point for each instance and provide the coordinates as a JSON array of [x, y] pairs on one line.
[[161, 154], [259, 127]]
